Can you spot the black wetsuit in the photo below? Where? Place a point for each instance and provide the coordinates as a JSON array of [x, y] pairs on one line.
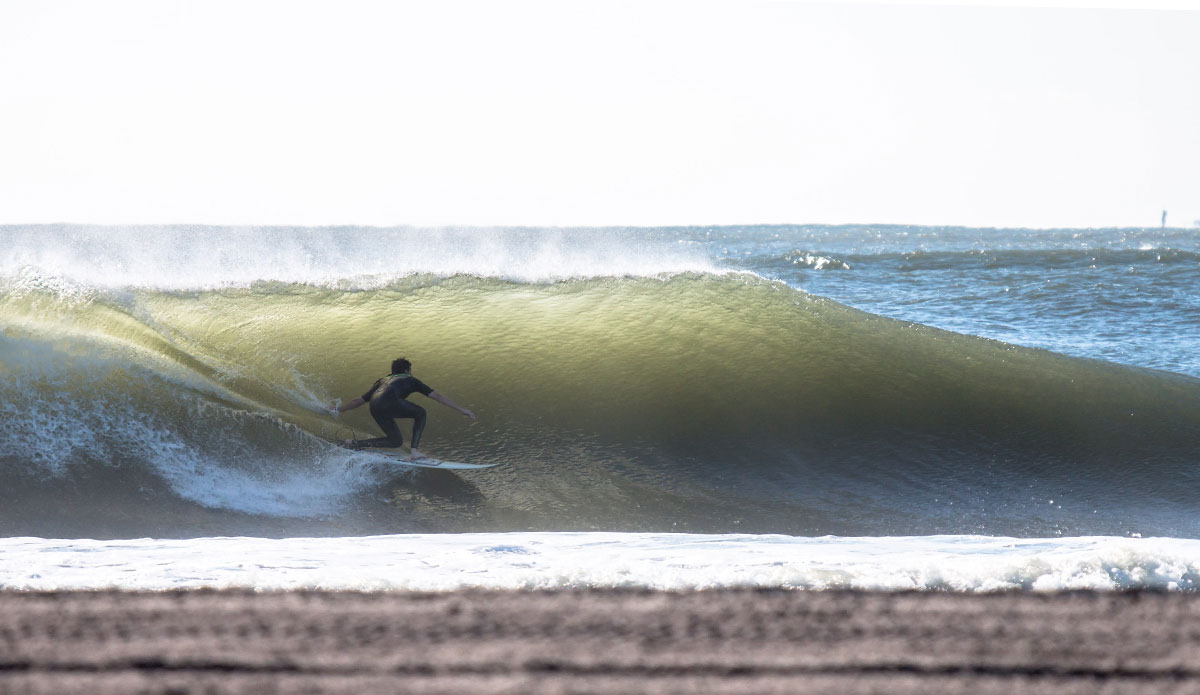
[[386, 399]]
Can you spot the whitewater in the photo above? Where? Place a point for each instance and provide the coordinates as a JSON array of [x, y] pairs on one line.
[[797, 406]]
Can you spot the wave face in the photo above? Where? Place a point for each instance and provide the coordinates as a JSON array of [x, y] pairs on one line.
[[664, 400]]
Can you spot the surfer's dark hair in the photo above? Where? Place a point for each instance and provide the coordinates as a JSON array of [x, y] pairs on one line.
[[401, 366]]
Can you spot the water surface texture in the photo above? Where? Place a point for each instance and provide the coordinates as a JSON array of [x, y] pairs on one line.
[[872, 381]]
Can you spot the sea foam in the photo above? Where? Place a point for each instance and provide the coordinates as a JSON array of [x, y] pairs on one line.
[[202, 258], [442, 562]]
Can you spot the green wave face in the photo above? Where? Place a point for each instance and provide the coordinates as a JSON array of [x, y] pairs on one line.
[[690, 402]]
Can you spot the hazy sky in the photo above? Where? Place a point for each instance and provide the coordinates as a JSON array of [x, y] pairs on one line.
[[581, 113]]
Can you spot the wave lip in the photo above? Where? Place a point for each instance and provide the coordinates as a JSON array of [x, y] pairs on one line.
[[445, 562], [180, 258]]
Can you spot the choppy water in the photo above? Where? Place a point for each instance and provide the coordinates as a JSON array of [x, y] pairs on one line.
[[854, 381]]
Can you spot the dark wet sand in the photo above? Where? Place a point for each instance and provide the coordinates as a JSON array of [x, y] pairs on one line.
[[730, 641]]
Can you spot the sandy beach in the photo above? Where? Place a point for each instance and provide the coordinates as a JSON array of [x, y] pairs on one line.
[[612, 641]]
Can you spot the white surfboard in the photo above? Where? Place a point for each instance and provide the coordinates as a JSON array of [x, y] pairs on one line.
[[401, 457]]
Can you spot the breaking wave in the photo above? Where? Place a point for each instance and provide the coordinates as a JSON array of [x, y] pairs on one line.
[[677, 400]]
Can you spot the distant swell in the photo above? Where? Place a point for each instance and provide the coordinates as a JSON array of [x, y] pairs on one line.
[[689, 402], [920, 260]]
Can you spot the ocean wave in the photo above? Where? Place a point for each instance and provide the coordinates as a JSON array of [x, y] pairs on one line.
[[963, 260], [694, 402]]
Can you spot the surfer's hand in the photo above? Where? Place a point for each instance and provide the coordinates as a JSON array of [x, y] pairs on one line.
[[469, 414], [333, 409]]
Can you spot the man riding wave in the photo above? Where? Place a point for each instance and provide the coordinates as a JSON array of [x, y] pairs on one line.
[[388, 402]]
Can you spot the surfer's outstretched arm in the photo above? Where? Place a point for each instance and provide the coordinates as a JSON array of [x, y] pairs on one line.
[[335, 408], [447, 402]]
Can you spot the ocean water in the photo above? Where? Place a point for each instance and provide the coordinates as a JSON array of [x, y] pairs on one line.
[[800, 406]]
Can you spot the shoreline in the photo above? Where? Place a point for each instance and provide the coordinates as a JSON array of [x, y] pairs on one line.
[[598, 641]]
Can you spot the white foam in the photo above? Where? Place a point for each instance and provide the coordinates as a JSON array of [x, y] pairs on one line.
[[816, 262], [57, 412], [317, 483], [180, 258], [562, 560]]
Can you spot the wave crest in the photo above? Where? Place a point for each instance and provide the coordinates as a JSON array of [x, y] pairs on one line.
[[186, 258]]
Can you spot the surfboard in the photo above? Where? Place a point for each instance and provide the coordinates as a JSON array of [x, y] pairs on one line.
[[398, 456], [427, 462]]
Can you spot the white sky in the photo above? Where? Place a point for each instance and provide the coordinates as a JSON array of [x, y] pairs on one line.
[[581, 113]]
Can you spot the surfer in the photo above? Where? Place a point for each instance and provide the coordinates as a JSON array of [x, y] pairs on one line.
[[387, 399]]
